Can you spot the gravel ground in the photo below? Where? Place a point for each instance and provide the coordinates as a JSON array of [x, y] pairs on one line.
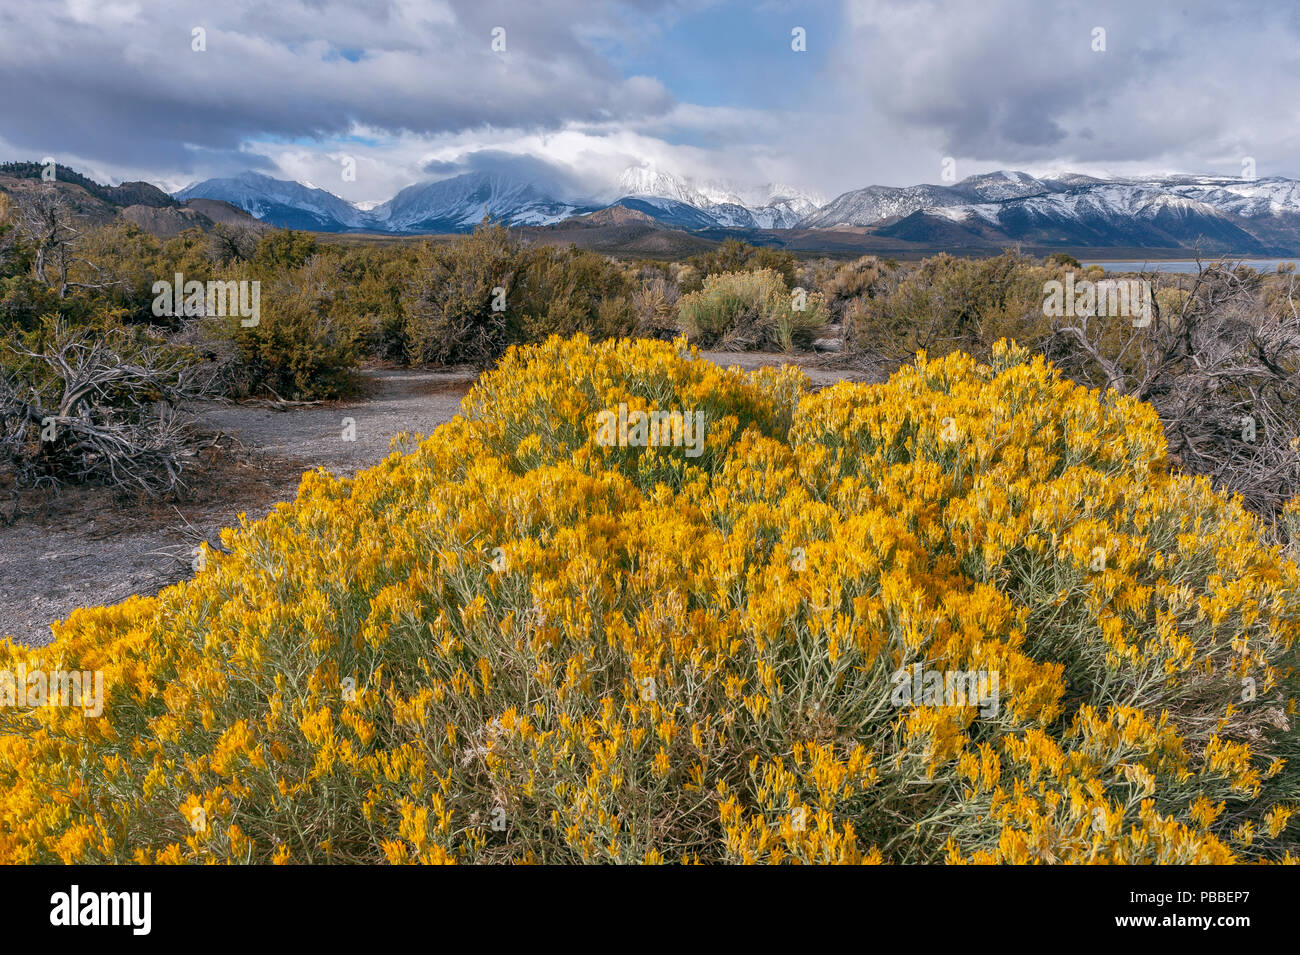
[[346, 436], [83, 547]]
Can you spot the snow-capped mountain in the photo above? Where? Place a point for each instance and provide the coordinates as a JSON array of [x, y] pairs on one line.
[[649, 181], [1218, 213], [280, 202], [864, 207], [1107, 214], [448, 205], [769, 206], [671, 212], [1055, 209], [1244, 197], [459, 204]]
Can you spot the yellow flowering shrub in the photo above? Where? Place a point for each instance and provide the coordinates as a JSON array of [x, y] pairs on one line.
[[514, 642]]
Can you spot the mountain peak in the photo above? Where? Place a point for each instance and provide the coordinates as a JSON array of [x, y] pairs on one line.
[[281, 202], [459, 203], [647, 180], [732, 205], [1059, 208]]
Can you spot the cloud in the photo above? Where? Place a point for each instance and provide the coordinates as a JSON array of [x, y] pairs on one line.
[[1195, 85], [555, 178], [412, 89], [123, 82]]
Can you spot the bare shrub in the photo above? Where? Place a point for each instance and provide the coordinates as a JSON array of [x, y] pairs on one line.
[[79, 405], [55, 232], [1220, 362]]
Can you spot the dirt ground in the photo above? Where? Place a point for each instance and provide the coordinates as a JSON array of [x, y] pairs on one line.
[[82, 546]]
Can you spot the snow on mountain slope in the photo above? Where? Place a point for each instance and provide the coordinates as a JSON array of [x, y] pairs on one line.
[[449, 205], [1056, 208], [673, 212], [1072, 208], [996, 186], [1243, 197], [284, 203], [1142, 215], [769, 206], [458, 204], [864, 207]]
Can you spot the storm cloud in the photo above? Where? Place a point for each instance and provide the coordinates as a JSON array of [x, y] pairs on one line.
[[885, 90]]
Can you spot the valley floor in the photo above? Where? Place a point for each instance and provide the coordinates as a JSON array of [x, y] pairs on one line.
[[79, 547]]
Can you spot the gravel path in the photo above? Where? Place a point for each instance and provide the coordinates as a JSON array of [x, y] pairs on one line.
[[81, 547], [347, 436]]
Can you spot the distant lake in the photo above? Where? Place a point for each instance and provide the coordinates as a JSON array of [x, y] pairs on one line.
[[1182, 265]]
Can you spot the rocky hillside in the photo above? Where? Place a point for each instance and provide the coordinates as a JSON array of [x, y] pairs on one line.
[[139, 203]]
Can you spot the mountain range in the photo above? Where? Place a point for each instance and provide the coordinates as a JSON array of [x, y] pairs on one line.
[[458, 204], [725, 205], [1218, 214], [1215, 214], [656, 210]]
